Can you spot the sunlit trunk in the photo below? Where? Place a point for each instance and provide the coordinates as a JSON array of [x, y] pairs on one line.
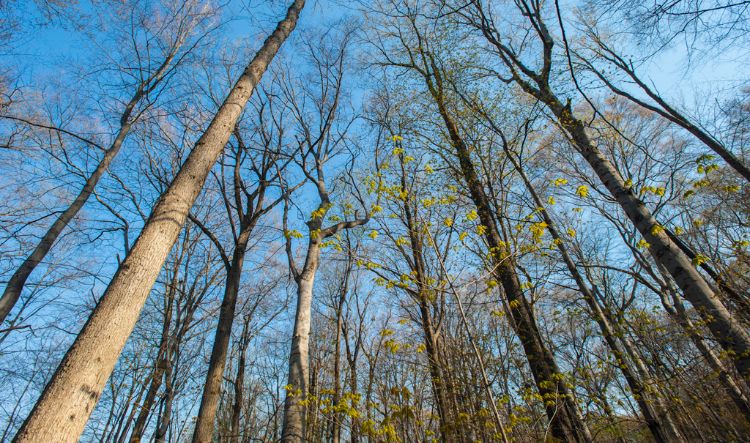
[[69, 398]]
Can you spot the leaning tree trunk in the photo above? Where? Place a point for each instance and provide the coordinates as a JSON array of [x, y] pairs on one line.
[[17, 281], [565, 419], [728, 332], [676, 310], [69, 398], [294, 407], [657, 417]]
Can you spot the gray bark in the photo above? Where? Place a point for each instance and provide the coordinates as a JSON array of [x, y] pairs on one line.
[[727, 330], [299, 371], [294, 427]]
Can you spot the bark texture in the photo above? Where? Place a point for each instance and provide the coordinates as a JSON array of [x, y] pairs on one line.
[[299, 371], [69, 398]]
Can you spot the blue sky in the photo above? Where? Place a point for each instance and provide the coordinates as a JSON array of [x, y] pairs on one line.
[[45, 54]]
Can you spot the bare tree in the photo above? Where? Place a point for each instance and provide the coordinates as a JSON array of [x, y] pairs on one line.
[[321, 138], [68, 399], [150, 76], [603, 51], [245, 199]]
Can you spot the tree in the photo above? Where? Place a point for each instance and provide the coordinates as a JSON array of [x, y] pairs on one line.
[[435, 221], [246, 203], [320, 139], [726, 330], [69, 397], [604, 52], [151, 76], [421, 58]]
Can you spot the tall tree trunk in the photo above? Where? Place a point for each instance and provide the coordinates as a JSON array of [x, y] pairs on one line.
[[676, 309], [239, 383], [299, 372], [204, 425], [730, 334], [447, 427], [728, 331], [69, 398], [343, 290], [566, 423], [663, 430], [17, 281]]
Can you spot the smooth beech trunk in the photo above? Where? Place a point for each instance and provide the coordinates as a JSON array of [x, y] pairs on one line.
[[68, 400], [299, 372], [315, 152], [676, 309], [294, 428], [727, 330]]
